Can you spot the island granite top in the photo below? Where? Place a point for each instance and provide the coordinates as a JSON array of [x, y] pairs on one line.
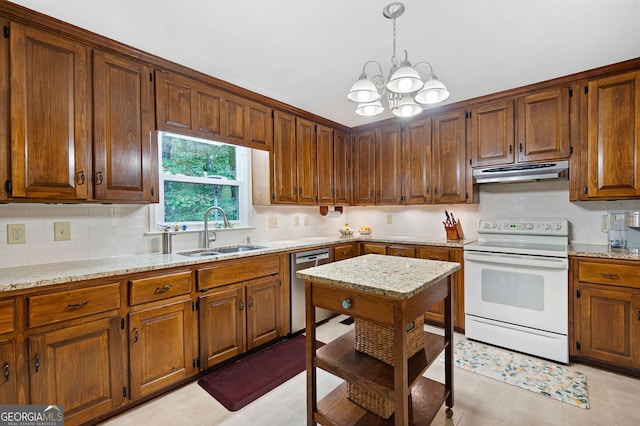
[[397, 277]]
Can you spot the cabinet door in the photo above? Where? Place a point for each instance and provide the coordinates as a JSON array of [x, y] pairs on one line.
[[492, 134], [543, 126], [449, 153], [187, 107], [610, 330], [342, 167], [306, 146], [5, 144], [264, 315], [388, 167], [436, 313], [222, 324], [86, 357], [364, 168], [326, 185], [416, 162], [260, 132], [49, 110], [160, 347], [125, 145], [8, 384], [613, 133], [285, 180]]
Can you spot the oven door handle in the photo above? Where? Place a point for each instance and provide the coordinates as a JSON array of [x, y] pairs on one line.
[[518, 260]]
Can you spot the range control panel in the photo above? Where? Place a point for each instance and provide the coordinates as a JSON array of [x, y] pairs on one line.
[[558, 227]]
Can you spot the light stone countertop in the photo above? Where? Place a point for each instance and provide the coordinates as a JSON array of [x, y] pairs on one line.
[[397, 277], [25, 277], [602, 251]]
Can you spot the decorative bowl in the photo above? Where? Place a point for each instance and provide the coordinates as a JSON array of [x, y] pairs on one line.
[[365, 232], [346, 232]]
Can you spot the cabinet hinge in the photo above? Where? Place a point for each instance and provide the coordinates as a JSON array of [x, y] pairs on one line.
[[195, 306], [5, 31], [570, 92], [470, 162], [196, 362], [122, 323], [578, 294], [273, 196], [578, 345], [150, 76], [124, 391], [570, 150], [586, 89], [153, 191], [466, 195], [7, 186], [585, 190], [273, 114]]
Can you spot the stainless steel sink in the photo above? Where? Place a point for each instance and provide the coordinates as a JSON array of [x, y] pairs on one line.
[[238, 249], [217, 251]]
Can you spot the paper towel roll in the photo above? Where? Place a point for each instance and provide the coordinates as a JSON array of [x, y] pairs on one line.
[[333, 213]]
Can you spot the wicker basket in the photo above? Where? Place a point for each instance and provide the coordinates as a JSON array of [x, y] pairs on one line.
[[377, 341], [376, 404]]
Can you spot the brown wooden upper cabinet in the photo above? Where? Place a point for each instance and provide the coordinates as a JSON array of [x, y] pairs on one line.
[[449, 177], [610, 144], [50, 109], [124, 144], [533, 127], [192, 108], [377, 166], [342, 167], [334, 171], [294, 169]]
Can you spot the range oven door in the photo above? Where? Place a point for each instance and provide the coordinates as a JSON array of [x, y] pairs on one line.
[[528, 291]]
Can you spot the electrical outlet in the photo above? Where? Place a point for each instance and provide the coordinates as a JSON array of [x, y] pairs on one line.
[[306, 220], [389, 219], [16, 233], [61, 231], [273, 222], [296, 221]]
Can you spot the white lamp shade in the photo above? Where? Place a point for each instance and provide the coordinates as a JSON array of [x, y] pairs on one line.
[[405, 80], [370, 109], [434, 91], [407, 107], [363, 91]]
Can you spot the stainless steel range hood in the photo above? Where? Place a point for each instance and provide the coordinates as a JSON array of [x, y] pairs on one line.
[[522, 172]]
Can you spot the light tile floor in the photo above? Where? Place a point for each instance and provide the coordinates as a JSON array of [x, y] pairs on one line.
[[614, 400]]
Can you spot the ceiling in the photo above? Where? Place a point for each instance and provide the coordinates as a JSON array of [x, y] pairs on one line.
[[308, 53]]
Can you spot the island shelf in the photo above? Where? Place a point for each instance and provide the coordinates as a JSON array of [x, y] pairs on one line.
[[390, 292]]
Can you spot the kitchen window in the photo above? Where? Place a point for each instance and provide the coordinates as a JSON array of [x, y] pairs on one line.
[[196, 174]]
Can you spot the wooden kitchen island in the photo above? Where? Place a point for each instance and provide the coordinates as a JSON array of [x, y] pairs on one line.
[[385, 291]]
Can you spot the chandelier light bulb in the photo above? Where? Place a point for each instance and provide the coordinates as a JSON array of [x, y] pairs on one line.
[[370, 109]]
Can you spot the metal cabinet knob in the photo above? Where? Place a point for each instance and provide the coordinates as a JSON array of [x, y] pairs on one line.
[[346, 303]]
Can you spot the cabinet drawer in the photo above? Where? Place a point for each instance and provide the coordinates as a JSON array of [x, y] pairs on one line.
[[402, 251], [432, 253], [371, 248], [65, 305], [345, 251], [7, 316], [611, 274], [161, 287], [362, 305], [237, 271]]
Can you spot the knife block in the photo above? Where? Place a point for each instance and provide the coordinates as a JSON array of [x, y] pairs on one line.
[[454, 232]]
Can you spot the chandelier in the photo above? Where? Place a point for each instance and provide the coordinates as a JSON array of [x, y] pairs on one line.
[[406, 91]]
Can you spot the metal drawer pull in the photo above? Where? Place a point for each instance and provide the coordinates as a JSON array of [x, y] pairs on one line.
[[78, 305], [612, 276], [135, 335], [6, 371], [411, 326], [346, 303], [163, 289], [37, 363]]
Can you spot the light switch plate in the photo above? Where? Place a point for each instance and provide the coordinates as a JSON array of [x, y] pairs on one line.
[[61, 231], [273, 222], [16, 233]]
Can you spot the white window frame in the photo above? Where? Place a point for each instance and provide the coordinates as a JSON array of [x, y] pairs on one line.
[[242, 181]]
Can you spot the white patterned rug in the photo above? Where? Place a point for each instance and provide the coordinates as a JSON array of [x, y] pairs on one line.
[[536, 375]]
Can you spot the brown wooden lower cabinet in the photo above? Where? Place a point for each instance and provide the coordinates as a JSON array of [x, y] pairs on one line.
[[79, 367], [238, 317], [373, 248], [606, 313], [9, 384], [345, 251], [160, 347]]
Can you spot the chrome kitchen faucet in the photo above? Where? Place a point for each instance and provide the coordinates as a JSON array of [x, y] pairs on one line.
[[206, 238]]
